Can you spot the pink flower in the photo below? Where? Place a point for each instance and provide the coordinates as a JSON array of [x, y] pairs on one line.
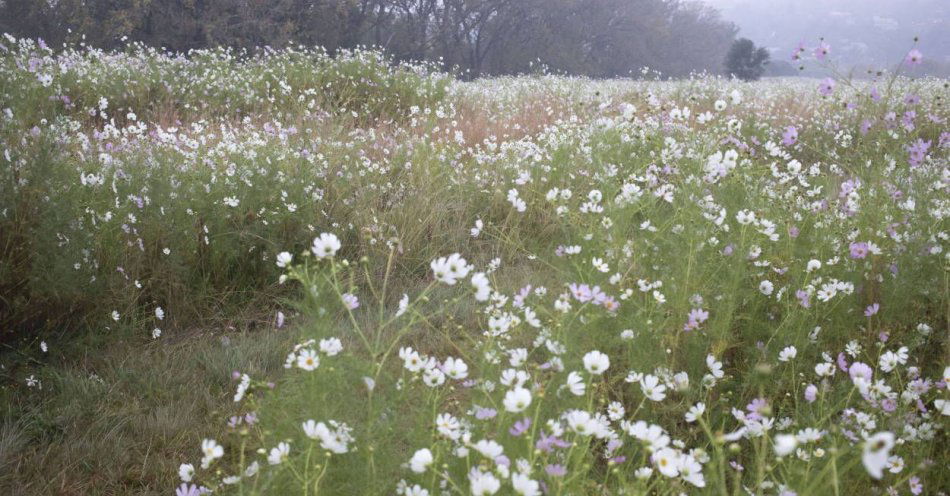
[[826, 87], [914, 57], [821, 52], [871, 310]]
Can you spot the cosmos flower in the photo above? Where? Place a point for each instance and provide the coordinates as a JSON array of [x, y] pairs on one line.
[[596, 362], [914, 57], [875, 453], [420, 460], [325, 246], [790, 136]]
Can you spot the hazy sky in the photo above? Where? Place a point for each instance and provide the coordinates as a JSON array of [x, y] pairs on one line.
[[860, 31]]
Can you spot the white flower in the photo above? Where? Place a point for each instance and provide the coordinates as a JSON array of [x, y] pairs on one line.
[[284, 258], [942, 406], [825, 369], [115, 316], [279, 454], [483, 483], [524, 485], [186, 471], [489, 449], [667, 461], [481, 285], [785, 444], [211, 451], [596, 362], [325, 246], [159, 313], [745, 217], [420, 461], [575, 384], [652, 389], [156, 333], [231, 201], [766, 287], [715, 367], [403, 305], [581, 422], [455, 368], [691, 471], [448, 426], [695, 412], [242, 387], [788, 353], [888, 361], [308, 360], [450, 269], [334, 441], [331, 346], [517, 400], [876, 452]]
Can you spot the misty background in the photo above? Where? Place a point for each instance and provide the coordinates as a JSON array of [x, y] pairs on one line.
[[598, 38]]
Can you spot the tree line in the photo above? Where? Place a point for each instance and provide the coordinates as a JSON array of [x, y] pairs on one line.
[[600, 38]]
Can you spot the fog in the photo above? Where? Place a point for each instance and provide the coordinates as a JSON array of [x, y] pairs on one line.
[[861, 32]]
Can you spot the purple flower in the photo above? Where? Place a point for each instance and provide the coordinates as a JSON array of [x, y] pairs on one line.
[[875, 94], [485, 413], [797, 52], [914, 57], [790, 137], [866, 126], [350, 301], [804, 299], [871, 310], [918, 152], [842, 362], [556, 470], [822, 50], [519, 298], [859, 250], [695, 318], [548, 443], [862, 370], [826, 87], [888, 405], [915, 486], [581, 293], [190, 490], [811, 393], [757, 406], [520, 427], [911, 99]]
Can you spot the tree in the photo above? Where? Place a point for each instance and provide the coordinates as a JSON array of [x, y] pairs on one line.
[[745, 61]]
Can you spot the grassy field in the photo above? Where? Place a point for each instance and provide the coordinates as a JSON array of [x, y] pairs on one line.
[[506, 286]]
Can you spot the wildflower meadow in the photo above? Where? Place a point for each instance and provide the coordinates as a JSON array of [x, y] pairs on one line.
[[283, 272]]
